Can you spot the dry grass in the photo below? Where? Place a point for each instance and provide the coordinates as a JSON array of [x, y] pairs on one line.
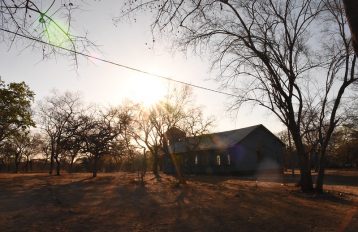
[[115, 202]]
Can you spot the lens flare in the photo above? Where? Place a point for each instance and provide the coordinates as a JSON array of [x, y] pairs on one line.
[[56, 33]]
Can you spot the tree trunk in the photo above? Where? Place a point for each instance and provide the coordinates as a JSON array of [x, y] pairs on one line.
[[292, 168], [316, 162], [305, 167], [3, 165], [177, 169], [17, 162], [306, 177], [8, 166], [155, 164], [95, 166], [321, 170], [58, 166], [143, 168], [27, 164], [31, 169], [16, 166], [175, 163], [51, 163], [306, 181], [351, 9], [71, 164], [291, 155]]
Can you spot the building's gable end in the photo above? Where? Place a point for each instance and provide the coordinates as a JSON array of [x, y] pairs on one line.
[[265, 149]]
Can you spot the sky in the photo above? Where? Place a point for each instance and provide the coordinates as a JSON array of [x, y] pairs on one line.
[[128, 43]]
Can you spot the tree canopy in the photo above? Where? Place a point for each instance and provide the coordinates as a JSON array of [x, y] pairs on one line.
[[15, 105]]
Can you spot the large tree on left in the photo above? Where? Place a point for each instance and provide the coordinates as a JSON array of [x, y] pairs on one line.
[[15, 108]]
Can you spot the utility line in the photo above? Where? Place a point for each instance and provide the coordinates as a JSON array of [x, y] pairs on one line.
[[118, 64]]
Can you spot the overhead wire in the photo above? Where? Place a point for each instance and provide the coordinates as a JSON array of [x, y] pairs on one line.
[[117, 64]]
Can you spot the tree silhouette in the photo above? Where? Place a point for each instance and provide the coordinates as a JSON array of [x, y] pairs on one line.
[[270, 53]]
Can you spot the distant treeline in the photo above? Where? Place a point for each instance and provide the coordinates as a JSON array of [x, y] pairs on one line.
[[342, 149], [62, 133]]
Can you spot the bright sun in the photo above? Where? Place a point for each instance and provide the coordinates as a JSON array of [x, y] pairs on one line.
[[147, 90]]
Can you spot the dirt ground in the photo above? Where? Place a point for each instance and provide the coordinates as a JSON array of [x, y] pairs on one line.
[[116, 202]]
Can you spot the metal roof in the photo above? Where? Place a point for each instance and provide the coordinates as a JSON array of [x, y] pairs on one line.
[[220, 140]]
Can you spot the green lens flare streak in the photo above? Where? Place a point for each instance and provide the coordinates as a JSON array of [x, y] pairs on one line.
[[56, 32]]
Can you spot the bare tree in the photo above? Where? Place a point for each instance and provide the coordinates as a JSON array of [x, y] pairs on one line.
[[343, 148], [288, 152], [15, 146], [322, 110], [100, 133], [266, 52], [174, 111], [25, 146], [32, 150], [146, 135], [45, 149], [128, 133], [55, 114], [20, 147], [72, 144]]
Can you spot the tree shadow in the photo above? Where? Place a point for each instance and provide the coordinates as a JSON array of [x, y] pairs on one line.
[[332, 177], [115, 203], [336, 179], [215, 179]]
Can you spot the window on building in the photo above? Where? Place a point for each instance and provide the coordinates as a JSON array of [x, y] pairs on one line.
[[196, 160], [218, 161], [228, 159]]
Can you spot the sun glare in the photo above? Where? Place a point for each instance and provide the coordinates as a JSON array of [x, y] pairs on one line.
[[147, 90]]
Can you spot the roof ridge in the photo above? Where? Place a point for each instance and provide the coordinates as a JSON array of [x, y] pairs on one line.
[[257, 125], [220, 132]]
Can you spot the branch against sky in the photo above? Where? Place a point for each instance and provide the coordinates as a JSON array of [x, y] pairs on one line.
[[270, 53], [175, 111], [100, 134], [340, 73], [42, 21], [54, 115]]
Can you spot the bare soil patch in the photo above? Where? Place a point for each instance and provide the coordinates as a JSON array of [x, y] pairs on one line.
[[116, 202]]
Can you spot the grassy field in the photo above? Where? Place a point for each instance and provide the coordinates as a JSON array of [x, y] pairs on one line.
[[116, 202]]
